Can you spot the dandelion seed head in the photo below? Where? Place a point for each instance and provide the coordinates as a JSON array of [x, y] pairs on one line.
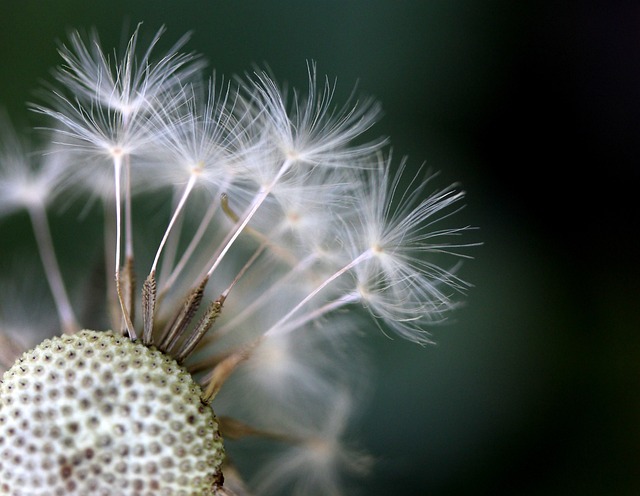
[[283, 221], [94, 412]]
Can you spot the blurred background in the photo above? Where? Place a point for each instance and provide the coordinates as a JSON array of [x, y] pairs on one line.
[[534, 107]]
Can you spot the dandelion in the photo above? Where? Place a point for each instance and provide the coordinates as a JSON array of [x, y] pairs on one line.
[[264, 225]]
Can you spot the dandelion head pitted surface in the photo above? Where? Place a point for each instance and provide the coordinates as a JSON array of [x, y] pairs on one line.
[[94, 413], [267, 229]]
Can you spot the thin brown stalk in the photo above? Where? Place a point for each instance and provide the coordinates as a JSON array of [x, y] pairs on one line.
[[224, 369], [231, 428], [148, 307], [181, 320], [125, 286], [203, 326]]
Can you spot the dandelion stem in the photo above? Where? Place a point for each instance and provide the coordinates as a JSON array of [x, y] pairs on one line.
[[244, 269], [116, 173], [215, 308], [282, 252], [117, 169], [128, 226], [52, 269], [253, 208], [318, 312], [277, 327], [176, 213], [171, 247], [265, 296], [109, 242], [193, 244]]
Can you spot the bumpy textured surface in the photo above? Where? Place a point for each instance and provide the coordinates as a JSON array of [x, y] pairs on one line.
[[96, 414]]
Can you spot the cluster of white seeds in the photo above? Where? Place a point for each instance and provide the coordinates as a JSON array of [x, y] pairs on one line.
[[97, 414], [283, 212]]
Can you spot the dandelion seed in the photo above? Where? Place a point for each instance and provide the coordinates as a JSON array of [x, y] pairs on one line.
[[127, 84], [397, 280], [24, 184], [312, 131]]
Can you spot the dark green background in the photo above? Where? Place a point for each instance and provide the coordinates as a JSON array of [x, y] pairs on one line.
[[535, 108]]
